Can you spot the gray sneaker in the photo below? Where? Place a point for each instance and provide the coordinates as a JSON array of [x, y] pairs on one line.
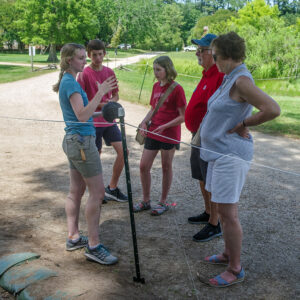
[[82, 242], [100, 255], [115, 194]]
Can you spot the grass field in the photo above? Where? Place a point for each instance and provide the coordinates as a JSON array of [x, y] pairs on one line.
[[42, 59], [13, 73], [285, 92]]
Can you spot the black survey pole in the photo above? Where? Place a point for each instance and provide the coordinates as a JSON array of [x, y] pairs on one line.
[[129, 191], [111, 111]]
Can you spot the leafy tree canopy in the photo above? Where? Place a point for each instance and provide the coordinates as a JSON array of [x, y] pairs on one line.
[[252, 13], [56, 21]]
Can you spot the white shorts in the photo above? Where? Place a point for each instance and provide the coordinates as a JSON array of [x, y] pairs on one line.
[[225, 178]]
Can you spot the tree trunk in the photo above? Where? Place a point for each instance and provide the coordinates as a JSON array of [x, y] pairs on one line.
[[52, 54]]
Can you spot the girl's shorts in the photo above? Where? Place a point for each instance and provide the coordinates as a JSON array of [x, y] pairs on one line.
[[82, 154], [151, 144], [225, 178]]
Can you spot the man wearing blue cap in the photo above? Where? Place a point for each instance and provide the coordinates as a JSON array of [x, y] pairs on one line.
[[195, 111]]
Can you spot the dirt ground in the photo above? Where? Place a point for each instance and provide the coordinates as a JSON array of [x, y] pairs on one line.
[[34, 183]]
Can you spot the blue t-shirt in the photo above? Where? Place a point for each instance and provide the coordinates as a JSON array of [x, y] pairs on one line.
[[68, 86]]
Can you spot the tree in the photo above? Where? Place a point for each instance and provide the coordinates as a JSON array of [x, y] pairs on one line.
[[8, 31], [252, 13], [56, 22], [190, 15], [135, 21], [216, 23], [166, 33]]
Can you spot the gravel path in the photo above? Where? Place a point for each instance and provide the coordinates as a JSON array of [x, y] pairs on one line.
[[34, 182]]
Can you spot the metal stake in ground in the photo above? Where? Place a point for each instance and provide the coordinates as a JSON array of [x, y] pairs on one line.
[[111, 111]]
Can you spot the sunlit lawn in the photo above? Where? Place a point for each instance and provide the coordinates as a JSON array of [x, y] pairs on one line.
[[42, 59], [285, 92], [14, 73]]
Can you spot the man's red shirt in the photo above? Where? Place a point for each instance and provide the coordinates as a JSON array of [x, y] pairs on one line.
[[197, 107]]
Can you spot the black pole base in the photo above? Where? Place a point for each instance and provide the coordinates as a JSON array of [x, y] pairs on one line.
[[141, 280]]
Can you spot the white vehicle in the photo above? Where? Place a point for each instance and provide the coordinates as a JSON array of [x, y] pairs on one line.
[[123, 46], [190, 48]]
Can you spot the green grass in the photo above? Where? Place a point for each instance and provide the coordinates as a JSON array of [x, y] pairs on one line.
[[110, 53], [288, 123], [42, 59], [286, 87], [14, 73], [285, 92], [23, 58]]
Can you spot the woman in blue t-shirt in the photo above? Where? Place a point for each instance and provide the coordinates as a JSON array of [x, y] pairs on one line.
[[80, 148]]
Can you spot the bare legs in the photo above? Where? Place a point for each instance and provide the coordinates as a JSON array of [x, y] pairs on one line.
[[145, 167], [92, 211], [233, 235], [118, 165], [146, 163], [211, 208]]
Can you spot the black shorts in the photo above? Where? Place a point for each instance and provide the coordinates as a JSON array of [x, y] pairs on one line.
[[198, 165], [110, 135], [151, 144]]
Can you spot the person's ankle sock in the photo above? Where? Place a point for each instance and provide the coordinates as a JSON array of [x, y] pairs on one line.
[[111, 189], [94, 247]]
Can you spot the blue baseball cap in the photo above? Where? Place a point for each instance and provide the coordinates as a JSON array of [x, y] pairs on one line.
[[205, 41]]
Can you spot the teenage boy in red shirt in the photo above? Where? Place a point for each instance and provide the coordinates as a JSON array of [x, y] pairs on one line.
[[97, 72], [195, 112]]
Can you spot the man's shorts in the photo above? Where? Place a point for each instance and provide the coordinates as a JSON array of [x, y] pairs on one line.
[[198, 165], [151, 144], [225, 178], [82, 154], [110, 135]]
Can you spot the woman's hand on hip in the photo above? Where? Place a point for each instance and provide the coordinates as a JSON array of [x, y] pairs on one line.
[[241, 130]]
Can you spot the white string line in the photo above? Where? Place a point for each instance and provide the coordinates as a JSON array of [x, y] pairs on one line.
[[222, 155], [184, 252], [186, 75], [187, 144]]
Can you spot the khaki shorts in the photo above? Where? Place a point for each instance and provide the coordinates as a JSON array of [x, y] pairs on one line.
[[82, 154]]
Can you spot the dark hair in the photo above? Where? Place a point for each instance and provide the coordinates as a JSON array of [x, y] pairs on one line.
[[167, 64], [95, 45], [230, 45], [66, 52]]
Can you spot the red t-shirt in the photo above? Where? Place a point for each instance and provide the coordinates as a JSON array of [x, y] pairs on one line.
[[87, 79], [197, 107], [167, 112]]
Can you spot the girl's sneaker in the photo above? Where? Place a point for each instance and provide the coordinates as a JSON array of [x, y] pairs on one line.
[[82, 242], [100, 255]]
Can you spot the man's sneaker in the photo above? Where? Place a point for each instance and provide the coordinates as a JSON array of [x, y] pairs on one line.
[[82, 242], [207, 233], [100, 255], [115, 194], [200, 219]]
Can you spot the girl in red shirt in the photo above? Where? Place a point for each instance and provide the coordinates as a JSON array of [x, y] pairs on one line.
[[164, 133]]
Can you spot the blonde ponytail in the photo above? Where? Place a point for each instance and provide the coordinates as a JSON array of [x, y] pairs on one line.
[[56, 85], [66, 53]]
